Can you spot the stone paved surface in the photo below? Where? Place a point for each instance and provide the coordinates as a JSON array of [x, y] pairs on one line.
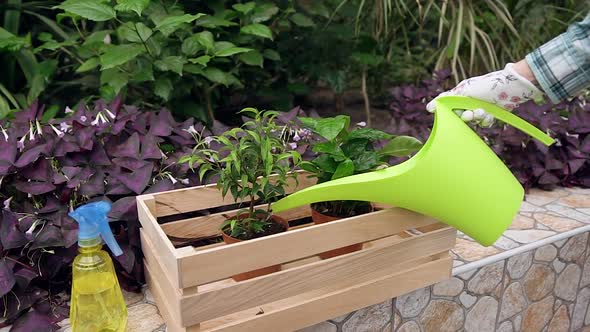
[[546, 289]]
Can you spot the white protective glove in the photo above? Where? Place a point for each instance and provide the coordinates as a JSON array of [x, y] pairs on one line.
[[505, 88]]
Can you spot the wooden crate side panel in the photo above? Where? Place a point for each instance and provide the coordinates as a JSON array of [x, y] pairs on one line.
[[288, 317], [356, 267], [204, 266], [209, 225], [163, 248], [208, 196]]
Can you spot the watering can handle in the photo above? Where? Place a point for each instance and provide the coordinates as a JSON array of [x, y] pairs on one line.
[[461, 102]]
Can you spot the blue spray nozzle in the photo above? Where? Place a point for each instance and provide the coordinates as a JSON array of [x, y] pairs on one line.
[[93, 221]]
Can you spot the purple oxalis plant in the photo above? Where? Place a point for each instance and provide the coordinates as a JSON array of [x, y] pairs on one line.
[[104, 152]]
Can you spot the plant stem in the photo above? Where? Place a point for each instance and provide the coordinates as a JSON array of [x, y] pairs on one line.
[[366, 97]]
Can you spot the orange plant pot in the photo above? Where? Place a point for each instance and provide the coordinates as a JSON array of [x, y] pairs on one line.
[[320, 218]]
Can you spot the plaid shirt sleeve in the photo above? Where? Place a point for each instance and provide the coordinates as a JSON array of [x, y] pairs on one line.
[[562, 66]]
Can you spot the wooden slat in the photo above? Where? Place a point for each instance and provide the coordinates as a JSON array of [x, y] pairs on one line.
[[205, 265], [164, 250], [209, 225], [355, 267], [208, 196], [303, 311]]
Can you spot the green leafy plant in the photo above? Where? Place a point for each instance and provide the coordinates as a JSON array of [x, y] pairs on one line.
[[343, 152], [253, 163]]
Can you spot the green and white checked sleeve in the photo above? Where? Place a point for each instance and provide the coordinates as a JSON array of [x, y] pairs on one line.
[[562, 66]]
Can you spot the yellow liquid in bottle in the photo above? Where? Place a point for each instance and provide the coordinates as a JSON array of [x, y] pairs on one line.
[[97, 303]]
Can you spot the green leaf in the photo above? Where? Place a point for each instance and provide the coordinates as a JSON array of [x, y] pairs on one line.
[[142, 70], [89, 9], [308, 166], [120, 54], [309, 123], [330, 128], [205, 39], [271, 54], [231, 51], [244, 8], [171, 63], [326, 163], [401, 146], [37, 85], [264, 12], [222, 45], [301, 20], [128, 32], [171, 23], [252, 58], [5, 108], [257, 29], [216, 75], [212, 22], [88, 65], [369, 134], [114, 78], [50, 113], [202, 60], [367, 59], [345, 168], [163, 88], [366, 161], [327, 147], [354, 148], [132, 5]]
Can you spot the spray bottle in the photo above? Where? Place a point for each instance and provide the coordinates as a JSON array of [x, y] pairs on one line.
[[97, 303]]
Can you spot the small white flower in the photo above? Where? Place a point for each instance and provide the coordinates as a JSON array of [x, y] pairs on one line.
[[31, 133], [95, 121], [362, 124], [467, 116], [296, 137], [69, 110], [191, 130], [293, 145], [488, 121], [58, 132], [107, 39], [21, 143], [83, 118], [163, 155], [211, 159], [109, 113], [4, 133], [184, 181], [172, 178], [39, 128], [208, 140], [7, 203], [64, 127]]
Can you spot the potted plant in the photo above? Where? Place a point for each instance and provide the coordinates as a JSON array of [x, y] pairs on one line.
[[253, 163], [343, 152]]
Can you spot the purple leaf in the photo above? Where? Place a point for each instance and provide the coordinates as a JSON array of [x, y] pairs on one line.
[[162, 185], [8, 149], [130, 148], [66, 145], [59, 178], [114, 187], [129, 163], [548, 178], [51, 205], [149, 147], [24, 276], [127, 259], [69, 231], [49, 236], [29, 156], [29, 114], [161, 124], [94, 186], [140, 124], [85, 137], [575, 165], [7, 280], [34, 321], [98, 156], [39, 171], [136, 180], [124, 209], [34, 187], [10, 235]]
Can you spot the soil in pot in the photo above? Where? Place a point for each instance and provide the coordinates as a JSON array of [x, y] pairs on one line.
[[323, 213], [278, 226]]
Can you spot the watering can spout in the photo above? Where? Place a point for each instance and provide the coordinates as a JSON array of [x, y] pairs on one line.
[[455, 178]]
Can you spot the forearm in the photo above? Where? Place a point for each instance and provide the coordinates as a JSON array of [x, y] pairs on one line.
[[523, 68]]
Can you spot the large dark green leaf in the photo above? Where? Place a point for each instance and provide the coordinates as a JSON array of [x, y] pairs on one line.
[[401, 146], [171, 63], [244, 8], [135, 32], [171, 23], [212, 22], [163, 88], [132, 5], [264, 12], [326, 163], [88, 65], [252, 58], [257, 29], [369, 134], [217, 75], [120, 54], [90, 9], [301, 20], [366, 161], [114, 78], [330, 128], [345, 168], [231, 51]]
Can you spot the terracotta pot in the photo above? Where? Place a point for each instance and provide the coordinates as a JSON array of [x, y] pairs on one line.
[[258, 272], [320, 218]]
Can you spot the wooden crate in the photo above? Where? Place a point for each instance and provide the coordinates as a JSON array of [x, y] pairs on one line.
[[402, 251]]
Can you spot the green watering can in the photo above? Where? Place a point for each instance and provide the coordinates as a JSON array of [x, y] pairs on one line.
[[455, 178]]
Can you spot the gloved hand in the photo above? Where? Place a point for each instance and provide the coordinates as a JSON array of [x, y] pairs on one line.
[[505, 88]]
